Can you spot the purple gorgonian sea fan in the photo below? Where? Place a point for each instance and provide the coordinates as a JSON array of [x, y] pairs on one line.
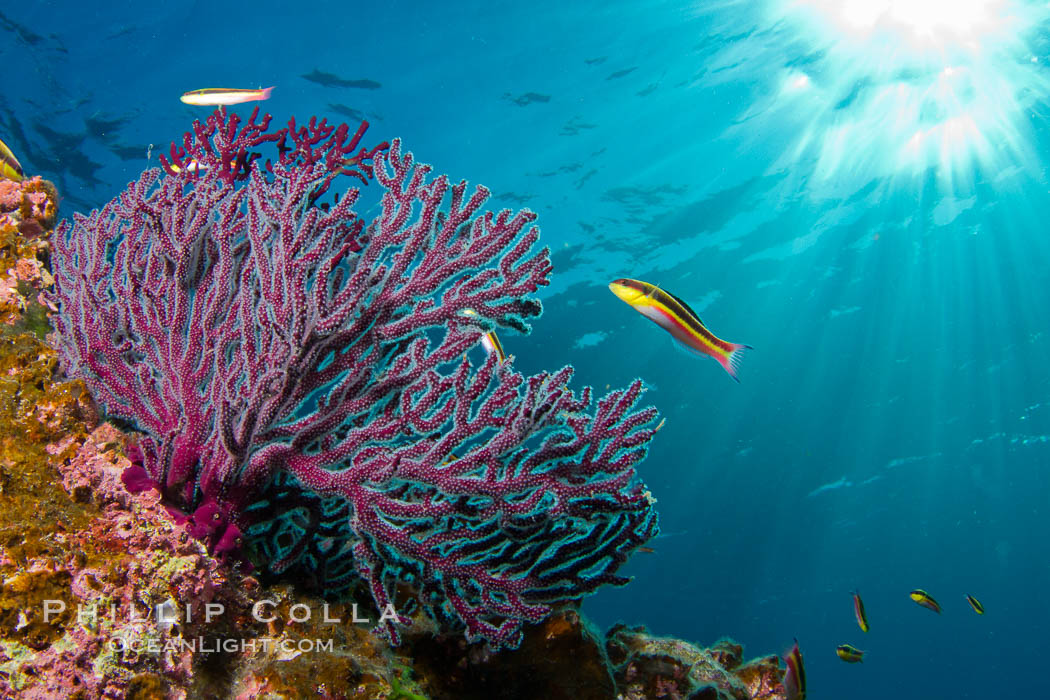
[[255, 334]]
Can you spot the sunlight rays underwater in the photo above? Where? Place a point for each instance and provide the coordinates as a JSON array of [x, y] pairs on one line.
[[892, 89]]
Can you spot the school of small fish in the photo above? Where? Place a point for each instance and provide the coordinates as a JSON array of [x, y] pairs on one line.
[[795, 675], [852, 655]]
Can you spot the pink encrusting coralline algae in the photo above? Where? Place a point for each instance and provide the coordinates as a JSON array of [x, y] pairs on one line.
[[112, 610], [258, 332]]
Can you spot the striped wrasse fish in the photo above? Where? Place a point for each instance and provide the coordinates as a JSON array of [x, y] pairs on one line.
[[858, 611], [795, 675], [10, 168], [224, 96], [674, 316], [850, 654], [925, 600]]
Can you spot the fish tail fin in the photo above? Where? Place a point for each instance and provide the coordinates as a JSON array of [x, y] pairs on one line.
[[732, 359], [266, 92]]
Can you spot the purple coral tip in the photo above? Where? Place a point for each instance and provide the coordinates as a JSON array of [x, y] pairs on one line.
[[206, 519], [176, 514], [136, 479], [230, 540]]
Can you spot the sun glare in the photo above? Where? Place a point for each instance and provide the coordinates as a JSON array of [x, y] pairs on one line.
[[957, 73], [934, 20], [899, 87]]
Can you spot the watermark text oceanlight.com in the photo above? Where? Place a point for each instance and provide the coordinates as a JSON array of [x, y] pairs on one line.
[[229, 645]]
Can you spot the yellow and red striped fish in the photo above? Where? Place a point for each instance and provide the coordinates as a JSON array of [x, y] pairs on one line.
[[795, 675], [925, 600], [674, 316], [858, 610], [10, 168], [850, 654], [224, 96]]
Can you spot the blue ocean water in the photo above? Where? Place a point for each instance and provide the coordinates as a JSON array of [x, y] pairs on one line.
[[858, 190]]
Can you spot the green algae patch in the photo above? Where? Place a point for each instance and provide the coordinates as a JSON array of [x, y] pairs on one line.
[[172, 566], [34, 319], [401, 685], [15, 655]]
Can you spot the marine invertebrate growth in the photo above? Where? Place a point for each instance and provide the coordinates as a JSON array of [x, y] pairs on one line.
[[256, 335]]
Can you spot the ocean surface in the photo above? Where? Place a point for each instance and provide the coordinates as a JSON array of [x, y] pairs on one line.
[[856, 189]]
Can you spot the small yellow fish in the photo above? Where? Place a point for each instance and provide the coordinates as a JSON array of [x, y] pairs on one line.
[[925, 600], [975, 604], [858, 610], [850, 654], [210, 97], [10, 168], [674, 316]]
